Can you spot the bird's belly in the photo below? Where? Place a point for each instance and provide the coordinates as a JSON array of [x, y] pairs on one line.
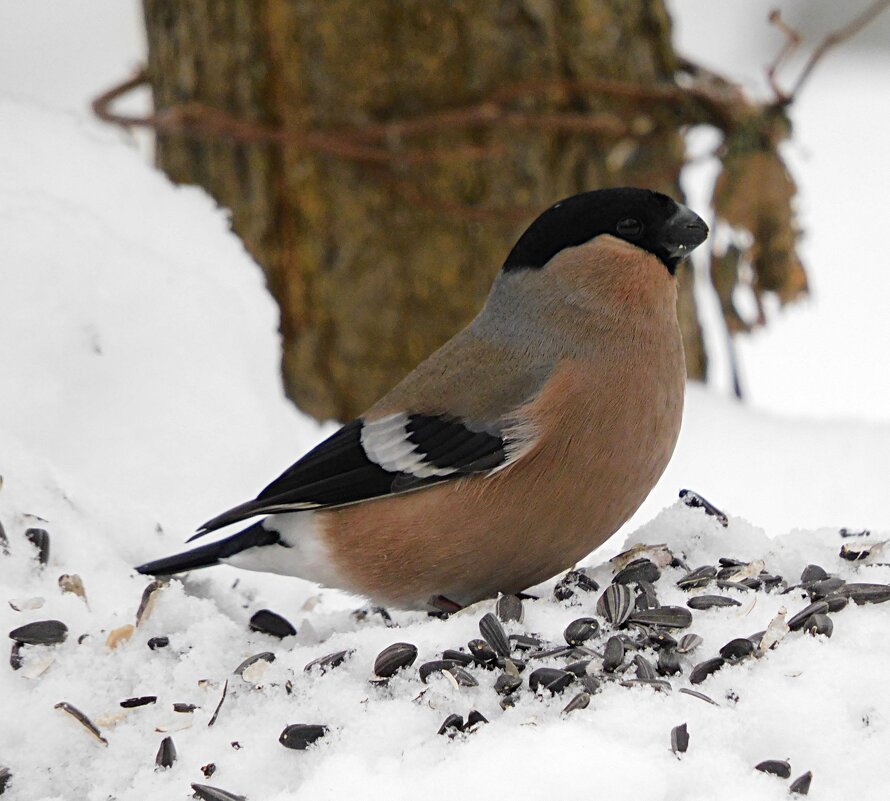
[[472, 538]]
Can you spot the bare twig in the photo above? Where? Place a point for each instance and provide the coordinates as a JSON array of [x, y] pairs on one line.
[[830, 41]]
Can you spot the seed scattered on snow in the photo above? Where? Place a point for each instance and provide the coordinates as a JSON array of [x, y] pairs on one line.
[[645, 669], [82, 719], [452, 725], [461, 657], [672, 617], [679, 739], [580, 701], [74, 584], [552, 679], [704, 669], [148, 600], [855, 552], [208, 770], [711, 601], [696, 501], [5, 773], [581, 630], [614, 655], [40, 632], [801, 785], [506, 684], [141, 700], [668, 663], [812, 573], [775, 631], [265, 621], [166, 755], [700, 696], [185, 708], [460, 676], [638, 570], [579, 580], [207, 793], [474, 719], [866, 593], [158, 642], [738, 649], [39, 538], [15, 656], [27, 604], [616, 604], [509, 609], [119, 636], [300, 736], [483, 653], [219, 705], [393, 658], [688, 643], [660, 554], [777, 767], [493, 633], [819, 624]]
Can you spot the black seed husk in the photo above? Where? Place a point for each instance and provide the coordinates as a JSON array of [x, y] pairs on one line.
[[801, 785], [578, 668], [697, 578], [777, 767], [580, 701], [506, 684], [462, 657], [581, 630], [645, 669], [435, 666], [672, 617], [207, 793], [265, 656], [591, 684], [636, 571], [166, 753], [462, 677], [574, 580], [525, 642], [688, 643], [668, 662], [39, 538], [222, 698], [509, 609], [819, 624], [866, 593], [723, 584], [300, 736], [393, 658], [551, 679], [704, 669], [82, 719], [453, 724], [5, 776], [647, 597], [474, 719], [817, 590], [816, 608], [696, 501], [16, 660], [265, 621], [679, 739], [142, 700], [711, 601], [158, 642], [697, 694], [493, 633], [810, 573], [329, 661], [208, 770], [614, 654], [836, 602], [482, 652], [737, 649], [510, 664], [179, 707], [616, 604], [40, 632]]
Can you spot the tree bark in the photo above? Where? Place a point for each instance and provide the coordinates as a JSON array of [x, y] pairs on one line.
[[374, 265]]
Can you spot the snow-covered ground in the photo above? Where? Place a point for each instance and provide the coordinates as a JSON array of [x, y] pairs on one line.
[[140, 395]]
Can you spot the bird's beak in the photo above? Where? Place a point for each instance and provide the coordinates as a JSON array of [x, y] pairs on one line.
[[684, 232]]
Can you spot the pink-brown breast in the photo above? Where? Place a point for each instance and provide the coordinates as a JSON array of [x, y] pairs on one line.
[[607, 422]]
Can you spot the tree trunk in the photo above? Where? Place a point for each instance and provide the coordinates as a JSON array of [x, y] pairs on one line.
[[375, 264]]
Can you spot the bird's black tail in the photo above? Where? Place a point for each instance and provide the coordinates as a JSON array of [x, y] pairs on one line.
[[210, 554]]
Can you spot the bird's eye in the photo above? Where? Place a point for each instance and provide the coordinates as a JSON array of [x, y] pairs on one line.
[[629, 226]]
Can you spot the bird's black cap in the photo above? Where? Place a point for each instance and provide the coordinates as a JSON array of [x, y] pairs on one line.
[[650, 220]]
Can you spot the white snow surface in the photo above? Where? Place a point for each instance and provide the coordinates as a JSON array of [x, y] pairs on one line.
[[140, 395]]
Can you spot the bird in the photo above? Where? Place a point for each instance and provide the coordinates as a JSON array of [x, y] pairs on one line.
[[516, 448]]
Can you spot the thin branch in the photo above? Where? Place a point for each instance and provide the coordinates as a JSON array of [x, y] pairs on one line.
[[792, 42]]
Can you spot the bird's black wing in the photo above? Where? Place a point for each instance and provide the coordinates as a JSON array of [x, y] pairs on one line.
[[364, 460]]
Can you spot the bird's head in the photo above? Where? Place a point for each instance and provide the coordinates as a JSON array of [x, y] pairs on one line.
[[645, 219]]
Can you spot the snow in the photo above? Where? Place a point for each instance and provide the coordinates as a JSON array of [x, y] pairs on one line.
[[141, 395]]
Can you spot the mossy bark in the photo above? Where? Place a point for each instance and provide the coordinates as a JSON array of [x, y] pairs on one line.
[[374, 267]]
